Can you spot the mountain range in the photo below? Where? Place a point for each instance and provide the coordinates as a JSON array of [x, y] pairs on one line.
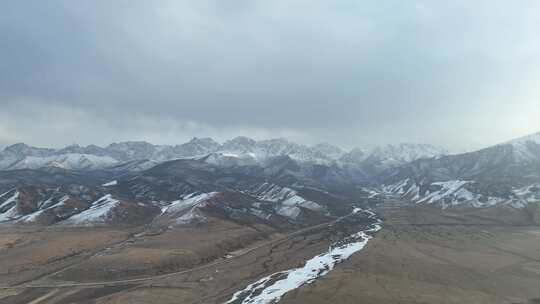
[[276, 182], [22, 156]]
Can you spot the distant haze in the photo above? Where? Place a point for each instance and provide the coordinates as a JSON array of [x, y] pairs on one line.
[[460, 74]]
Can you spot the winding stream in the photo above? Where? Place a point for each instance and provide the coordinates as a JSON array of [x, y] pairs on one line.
[[270, 289]]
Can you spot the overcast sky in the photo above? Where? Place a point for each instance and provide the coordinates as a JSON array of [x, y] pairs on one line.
[[461, 74]]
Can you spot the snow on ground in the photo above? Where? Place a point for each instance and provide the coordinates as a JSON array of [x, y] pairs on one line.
[[99, 212], [272, 192], [297, 200], [259, 213], [66, 161], [10, 200], [192, 215], [287, 200], [455, 193], [233, 155], [270, 289], [397, 188], [6, 193], [34, 216], [186, 208], [371, 193], [530, 194], [10, 214], [522, 149], [291, 212], [228, 159], [449, 188], [189, 201], [393, 155], [526, 195], [110, 184]]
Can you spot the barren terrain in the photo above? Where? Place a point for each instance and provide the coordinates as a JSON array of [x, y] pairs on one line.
[[420, 256], [435, 260]]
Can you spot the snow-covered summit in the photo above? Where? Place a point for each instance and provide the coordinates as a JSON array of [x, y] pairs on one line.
[[526, 148], [265, 149], [239, 144], [356, 155], [65, 161], [330, 151], [248, 150], [535, 138], [405, 152]]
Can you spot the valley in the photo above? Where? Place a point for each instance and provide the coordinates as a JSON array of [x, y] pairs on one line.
[[419, 256], [262, 224], [257, 258], [429, 257]]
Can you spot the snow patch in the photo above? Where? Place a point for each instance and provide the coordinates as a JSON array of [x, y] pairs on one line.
[[10, 200], [270, 289], [98, 212], [189, 201], [110, 184], [455, 193], [291, 212], [34, 216], [287, 200], [187, 207], [10, 214], [66, 161]]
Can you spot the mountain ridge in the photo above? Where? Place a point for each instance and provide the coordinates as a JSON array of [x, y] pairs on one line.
[[21, 156], [502, 174], [272, 179]]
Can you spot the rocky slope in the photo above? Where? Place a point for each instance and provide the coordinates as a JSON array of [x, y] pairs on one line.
[[171, 193], [507, 174]]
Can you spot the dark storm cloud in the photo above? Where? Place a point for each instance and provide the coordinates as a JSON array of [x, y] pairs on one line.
[[463, 74]]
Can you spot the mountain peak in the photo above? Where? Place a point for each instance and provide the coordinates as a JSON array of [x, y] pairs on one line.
[[129, 144], [405, 152], [243, 139], [206, 142], [329, 150], [22, 149], [526, 148], [18, 147], [356, 155], [202, 139], [528, 138], [240, 144]]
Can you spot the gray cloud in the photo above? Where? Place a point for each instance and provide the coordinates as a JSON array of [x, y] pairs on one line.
[[357, 73]]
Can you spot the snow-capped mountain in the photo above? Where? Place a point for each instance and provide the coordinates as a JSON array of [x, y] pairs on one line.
[[394, 155], [274, 181], [515, 162], [356, 155], [193, 148], [132, 150], [265, 149], [12, 154], [330, 151], [66, 161], [526, 149], [382, 158], [177, 192], [69, 205], [235, 152], [240, 144], [492, 176], [448, 193]]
